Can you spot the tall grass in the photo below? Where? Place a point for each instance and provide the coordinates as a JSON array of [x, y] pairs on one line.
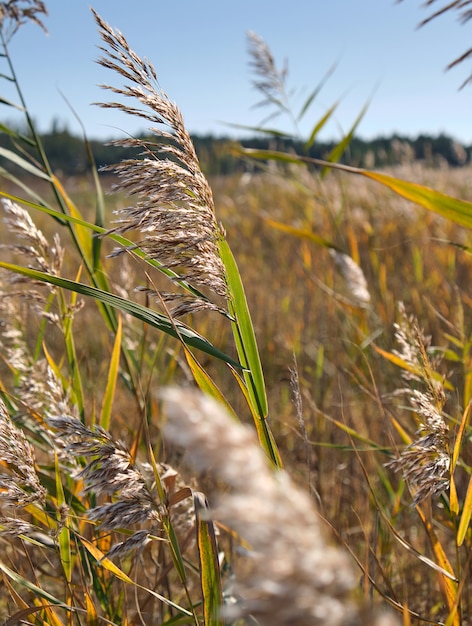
[[127, 496]]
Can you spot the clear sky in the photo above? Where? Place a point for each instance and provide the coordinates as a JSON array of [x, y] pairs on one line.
[[199, 50]]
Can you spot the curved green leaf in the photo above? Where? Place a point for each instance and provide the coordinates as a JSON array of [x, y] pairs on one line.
[[319, 125], [23, 163], [308, 102], [339, 149], [458, 211], [105, 415], [246, 345], [244, 333], [153, 318]]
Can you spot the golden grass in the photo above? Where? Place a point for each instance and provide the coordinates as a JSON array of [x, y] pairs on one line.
[[361, 310], [299, 308]]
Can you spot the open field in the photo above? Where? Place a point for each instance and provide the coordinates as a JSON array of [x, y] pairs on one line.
[[334, 402], [236, 401]]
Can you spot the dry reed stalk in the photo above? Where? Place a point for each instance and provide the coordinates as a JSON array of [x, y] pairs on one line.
[[175, 209], [19, 482], [425, 463], [292, 574], [15, 13], [112, 472], [270, 81]]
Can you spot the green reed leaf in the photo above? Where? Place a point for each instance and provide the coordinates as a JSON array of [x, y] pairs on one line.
[[320, 124], [209, 565], [248, 352], [314, 93], [465, 517], [244, 333], [23, 163], [454, 209], [154, 319], [37, 591], [458, 211], [206, 383], [339, 149]]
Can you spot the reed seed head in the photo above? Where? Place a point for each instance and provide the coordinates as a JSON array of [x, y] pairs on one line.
[[292, 575], [174, 210], [19, 483], [110, 471], [425, 463], [354, 277], [270, 81], [15, 13], [31, 242]]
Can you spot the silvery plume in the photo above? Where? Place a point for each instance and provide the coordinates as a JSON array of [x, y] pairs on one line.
[[19, 482], [292, 573], [425, 462], [15, 13], [174, 209]]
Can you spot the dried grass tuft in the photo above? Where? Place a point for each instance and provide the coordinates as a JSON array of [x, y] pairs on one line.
[[292, 574], [19, 482], [175, 208], [15, 13], [425, 463]]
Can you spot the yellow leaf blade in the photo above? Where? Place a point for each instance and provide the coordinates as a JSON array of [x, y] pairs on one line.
[[105, 416], [465, 517], [459, 211]]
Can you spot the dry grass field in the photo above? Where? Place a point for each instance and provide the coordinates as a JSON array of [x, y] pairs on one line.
[[244, 402], [336, 407]]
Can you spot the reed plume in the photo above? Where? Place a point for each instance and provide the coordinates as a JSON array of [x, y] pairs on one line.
[[425, 463], [269, 80], [31, 241], [37, 385], [19, 482], [174, 212], [15, 13], [111, 472], [292, 574], [354, 278]]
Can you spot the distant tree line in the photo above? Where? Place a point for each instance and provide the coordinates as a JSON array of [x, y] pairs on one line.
[[218, 155]]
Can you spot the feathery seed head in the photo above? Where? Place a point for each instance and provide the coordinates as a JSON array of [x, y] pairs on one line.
[[20, 485], [414, 349], [425, 462], [34, 246], [175, 209], [354, 278], [15, 13], [13, 527], [270, 81], [110, 471], [293, 575]]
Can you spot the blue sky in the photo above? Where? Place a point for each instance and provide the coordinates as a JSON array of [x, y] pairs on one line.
[[199, 51]]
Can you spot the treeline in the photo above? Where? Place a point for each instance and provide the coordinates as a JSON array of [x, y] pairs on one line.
[[219, 156]]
